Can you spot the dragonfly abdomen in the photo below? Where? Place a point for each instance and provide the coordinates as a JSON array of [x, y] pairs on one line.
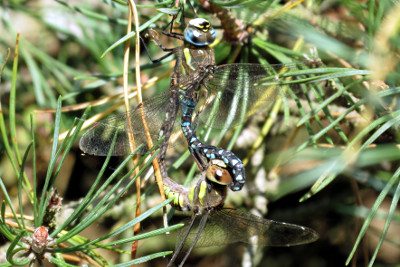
[[210, 152]]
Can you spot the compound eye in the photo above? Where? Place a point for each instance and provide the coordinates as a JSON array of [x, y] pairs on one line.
[[219, 175], [199, 32]]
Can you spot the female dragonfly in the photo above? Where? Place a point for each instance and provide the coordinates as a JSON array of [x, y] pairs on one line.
[[221, 226]]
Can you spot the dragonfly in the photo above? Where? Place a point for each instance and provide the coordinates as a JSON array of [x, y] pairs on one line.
[[221, 226], [200, 93]]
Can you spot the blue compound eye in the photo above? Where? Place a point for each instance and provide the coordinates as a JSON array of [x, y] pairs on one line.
[[199, 32]]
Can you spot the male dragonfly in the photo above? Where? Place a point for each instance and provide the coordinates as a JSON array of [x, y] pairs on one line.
[[213, 96]]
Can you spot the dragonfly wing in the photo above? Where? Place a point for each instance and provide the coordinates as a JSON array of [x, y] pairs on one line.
[[237, 91], [98, 139], [228, 226], [269, 233]]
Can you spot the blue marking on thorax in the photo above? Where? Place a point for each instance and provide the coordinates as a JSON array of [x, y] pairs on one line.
[[187, 102]]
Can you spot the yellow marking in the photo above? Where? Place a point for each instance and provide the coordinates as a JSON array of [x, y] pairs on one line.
[[202, 192], [215, 43], [183, 69], [186, 51], [219, 163], [180, 201], [167, 191], [191, 194], [176, 200], [188, 57]]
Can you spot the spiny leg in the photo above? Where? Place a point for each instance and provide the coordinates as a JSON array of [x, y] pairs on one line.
[[201, 227], [179, 248], [171, 33], [155, 39], [158, 43]]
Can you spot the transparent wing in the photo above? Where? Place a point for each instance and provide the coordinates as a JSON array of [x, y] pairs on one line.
[[237, 91], [234, 92], [228, 226], [98, 138]]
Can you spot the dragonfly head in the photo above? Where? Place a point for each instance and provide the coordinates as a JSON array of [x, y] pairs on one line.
[[199, 32]]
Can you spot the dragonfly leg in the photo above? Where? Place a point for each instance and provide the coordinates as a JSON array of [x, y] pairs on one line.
[[179, 248], [196, 213], [158, 43], [202, 224], [171, 33], [169, 50]]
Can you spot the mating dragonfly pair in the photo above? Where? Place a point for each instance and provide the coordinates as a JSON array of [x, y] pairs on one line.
[[214, 96]]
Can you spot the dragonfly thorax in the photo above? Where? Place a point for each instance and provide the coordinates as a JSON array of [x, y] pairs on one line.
[[208, 193], [199, 32], [206, 196]]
